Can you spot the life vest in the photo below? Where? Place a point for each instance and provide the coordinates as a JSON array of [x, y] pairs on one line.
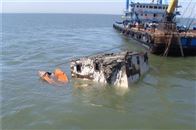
[[57, 76], [60, 75]]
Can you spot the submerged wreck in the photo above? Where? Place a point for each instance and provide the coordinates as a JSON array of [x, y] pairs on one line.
[[117, 69]]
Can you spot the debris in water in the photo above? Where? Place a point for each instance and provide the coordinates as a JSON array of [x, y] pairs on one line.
[[58, 76], [120, 69]]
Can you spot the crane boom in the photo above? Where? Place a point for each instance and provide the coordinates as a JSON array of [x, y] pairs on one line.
[[172, 6]]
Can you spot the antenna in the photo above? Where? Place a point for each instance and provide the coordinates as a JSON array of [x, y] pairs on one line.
[[127, 5]]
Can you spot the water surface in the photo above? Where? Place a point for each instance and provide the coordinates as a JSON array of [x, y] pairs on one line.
[[163, 99]]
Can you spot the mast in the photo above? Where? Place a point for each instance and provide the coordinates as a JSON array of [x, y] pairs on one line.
[[127, 5]]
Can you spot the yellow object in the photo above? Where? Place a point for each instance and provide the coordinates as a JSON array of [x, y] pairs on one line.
[[60, 75], [172, 6]]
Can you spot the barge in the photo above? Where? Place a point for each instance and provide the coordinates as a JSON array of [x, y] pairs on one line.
[[158, 32]]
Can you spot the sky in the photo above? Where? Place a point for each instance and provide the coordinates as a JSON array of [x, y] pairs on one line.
[[80, 6]]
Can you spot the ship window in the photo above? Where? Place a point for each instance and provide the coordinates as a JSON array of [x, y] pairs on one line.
[[160, 7], [97, 66], [137, 5], [165, 7], [145, 14], [138, 60], [140, 6], [155, 15], [155, 7], [144, 6], [150, 7], [78, 68]]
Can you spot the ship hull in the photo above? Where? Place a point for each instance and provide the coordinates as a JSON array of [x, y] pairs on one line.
[[188, 44]]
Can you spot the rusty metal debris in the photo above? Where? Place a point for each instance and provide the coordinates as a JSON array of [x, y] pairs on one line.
[[118, 69]]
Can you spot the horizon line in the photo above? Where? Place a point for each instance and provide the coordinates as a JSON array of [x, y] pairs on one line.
[[67, 13], [54, 13]]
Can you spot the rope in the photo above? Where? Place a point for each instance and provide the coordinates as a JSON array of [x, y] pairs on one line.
[[68, 61], [190, 25], [180, 45], [186, 8], [191, 21], [168, 46], [191, 15]]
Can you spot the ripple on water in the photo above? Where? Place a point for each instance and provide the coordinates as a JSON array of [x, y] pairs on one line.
[[163, 98]]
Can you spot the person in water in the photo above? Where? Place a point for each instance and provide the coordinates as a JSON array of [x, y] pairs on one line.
[[58, 76]]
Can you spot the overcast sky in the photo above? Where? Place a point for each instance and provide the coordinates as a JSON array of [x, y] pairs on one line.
[[80, 6]]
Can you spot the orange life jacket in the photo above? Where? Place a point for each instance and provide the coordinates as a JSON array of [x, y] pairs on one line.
[[61, 76]]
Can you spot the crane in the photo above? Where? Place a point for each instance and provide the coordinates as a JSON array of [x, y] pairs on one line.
[[170, 10]]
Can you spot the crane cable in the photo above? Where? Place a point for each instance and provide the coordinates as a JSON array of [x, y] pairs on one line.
[[187, 8], [190, 21], [68, 61]]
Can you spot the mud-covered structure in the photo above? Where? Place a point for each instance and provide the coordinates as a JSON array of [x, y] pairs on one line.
[[117, 69]]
